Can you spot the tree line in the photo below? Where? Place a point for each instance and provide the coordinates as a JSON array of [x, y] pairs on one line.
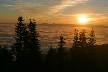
[[25, 54]]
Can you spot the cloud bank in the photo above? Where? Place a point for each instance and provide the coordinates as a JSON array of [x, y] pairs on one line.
[[63, 11]]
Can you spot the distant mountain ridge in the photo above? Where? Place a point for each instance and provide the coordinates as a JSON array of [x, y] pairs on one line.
[[74, 25]]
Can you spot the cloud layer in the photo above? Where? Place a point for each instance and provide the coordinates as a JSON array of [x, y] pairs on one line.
[[58, 10]]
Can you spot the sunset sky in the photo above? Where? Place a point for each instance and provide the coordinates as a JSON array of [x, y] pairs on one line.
[[54, 11]]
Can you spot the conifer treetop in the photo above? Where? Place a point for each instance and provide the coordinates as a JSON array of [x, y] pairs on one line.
[[20, 18]]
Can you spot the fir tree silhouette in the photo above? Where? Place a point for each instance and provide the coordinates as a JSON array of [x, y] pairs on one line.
[[76, 40], [78, 52], [50, 63], [92, 41], [61, 55], [20, 47], [75, 45], [92, 62], [34, 55], [74, 52], [82, 53]]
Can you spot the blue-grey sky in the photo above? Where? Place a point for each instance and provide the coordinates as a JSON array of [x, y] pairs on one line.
[[54, 11]]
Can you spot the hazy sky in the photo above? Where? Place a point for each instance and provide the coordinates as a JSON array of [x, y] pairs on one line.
[[54, 11]]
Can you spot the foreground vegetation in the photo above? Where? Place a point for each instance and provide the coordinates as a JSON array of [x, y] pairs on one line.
[[25, 54]]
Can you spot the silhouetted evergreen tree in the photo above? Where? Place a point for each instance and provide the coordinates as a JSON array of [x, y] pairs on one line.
[[82, 53], [92, 41], [75, 45], [82, 39], [34, 54], [83, 45], [20, 47], [50, 63], [74, 52], [75, 40], [78, 52], [62, 56], [92, 62]]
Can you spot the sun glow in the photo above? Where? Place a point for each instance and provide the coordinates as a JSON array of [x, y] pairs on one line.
[[83, 18]]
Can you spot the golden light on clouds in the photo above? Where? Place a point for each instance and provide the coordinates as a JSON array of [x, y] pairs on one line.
[[83, 19], [56, 11]]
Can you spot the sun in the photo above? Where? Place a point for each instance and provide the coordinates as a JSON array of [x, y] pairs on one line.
[[83, 18]]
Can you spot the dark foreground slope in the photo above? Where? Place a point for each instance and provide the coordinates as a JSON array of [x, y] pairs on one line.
[[101, 53]]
